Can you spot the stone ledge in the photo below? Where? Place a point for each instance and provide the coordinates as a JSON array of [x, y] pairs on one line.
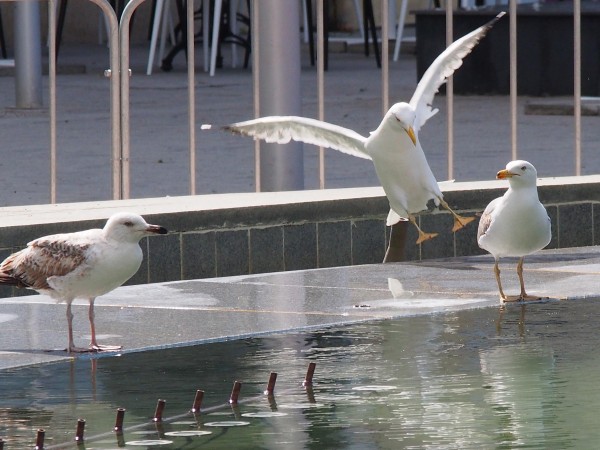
[[237, 234]]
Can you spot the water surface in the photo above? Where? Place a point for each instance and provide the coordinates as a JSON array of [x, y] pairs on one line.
[[523, 377]]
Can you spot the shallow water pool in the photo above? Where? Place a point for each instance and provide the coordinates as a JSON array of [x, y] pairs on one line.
[[522, 377]]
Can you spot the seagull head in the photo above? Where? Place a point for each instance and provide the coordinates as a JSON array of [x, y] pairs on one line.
[[403, 115], [128, 227], [519, 173]]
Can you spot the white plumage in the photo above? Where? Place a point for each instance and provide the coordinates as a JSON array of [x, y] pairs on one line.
[[515, 224], [393, 147], [85, 264]]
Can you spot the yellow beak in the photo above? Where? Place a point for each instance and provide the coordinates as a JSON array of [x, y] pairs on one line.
[[411, 135], [503, 174]]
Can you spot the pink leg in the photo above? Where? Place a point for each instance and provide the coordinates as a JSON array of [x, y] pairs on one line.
[[71, 348], [497, 273], [94, 346]]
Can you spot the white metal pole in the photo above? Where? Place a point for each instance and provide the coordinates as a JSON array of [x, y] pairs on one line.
[[577, 81], [321, 82], [450, 94], [52, 94], [513, 77], [385, 61], [191, 94], [124, 75], [256, 88]]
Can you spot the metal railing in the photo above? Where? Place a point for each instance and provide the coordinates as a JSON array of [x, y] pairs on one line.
[[132, 5], [113, 38], [450, 86], [119, 88]]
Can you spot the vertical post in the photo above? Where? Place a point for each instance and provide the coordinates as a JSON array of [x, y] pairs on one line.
[[450, 93], [513, 76], [52, 94], [191, 94], [282, 165], [197, 401], [235, 393], [124, 75], [385, 60], [271, 384], [115, 96], [28, 55], [321, 82], [308, 379], [577, 82], [256, 88], [119, 421], [39, 440], [80, 430], [160, 407]]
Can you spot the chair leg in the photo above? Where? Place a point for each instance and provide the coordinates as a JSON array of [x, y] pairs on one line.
[[400, 30], [311, 27], [370, 19], [157, 13], [2, 41], [62, 11]]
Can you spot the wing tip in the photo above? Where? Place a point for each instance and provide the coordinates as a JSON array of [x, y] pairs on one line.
[[491, 23], [232, 129]]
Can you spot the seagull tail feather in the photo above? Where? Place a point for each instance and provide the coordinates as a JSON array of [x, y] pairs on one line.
[[9, 280]]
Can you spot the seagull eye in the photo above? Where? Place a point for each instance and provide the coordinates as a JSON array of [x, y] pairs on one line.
[[128, 224], [524, 168]]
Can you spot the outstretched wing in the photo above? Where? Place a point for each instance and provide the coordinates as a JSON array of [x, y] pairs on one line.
[[282, 129], [444, 66]]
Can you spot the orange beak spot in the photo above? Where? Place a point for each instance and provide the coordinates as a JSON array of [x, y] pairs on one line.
[[503, 174]]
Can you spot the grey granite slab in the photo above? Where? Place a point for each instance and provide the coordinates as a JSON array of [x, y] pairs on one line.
[[161, 315]]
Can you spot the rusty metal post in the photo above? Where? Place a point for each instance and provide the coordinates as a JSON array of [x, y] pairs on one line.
[[160, 406], [271, 385], [235, 393], [197, 401], [39, 441], [119, 422], [308, 380], [79, 431]]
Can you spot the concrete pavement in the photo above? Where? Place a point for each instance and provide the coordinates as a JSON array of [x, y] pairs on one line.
[[159, 142]]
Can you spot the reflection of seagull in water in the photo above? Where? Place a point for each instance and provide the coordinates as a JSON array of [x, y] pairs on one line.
[[393, 147], [397, 289], [85, 264], [515, 224]]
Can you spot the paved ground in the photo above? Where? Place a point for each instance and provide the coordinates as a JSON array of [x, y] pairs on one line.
[[225, 163], [147, 317]]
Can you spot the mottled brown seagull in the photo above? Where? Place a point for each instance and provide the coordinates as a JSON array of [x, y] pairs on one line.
[[85, 264], [515, 224]]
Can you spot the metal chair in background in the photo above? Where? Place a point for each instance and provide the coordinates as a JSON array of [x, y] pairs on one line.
[[2, 40]]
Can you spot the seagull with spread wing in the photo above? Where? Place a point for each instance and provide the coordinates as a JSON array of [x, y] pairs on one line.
[[394, 146]]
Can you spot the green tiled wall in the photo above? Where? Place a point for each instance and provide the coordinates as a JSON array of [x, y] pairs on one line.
[[291, 237]]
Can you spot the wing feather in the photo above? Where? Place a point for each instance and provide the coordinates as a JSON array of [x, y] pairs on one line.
[[486, 218], [283, 129], [443, 67], [43, 258]]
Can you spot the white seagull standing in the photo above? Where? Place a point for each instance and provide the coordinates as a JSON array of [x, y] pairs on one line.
[[393, 147], [515, 224], [85, 264]]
